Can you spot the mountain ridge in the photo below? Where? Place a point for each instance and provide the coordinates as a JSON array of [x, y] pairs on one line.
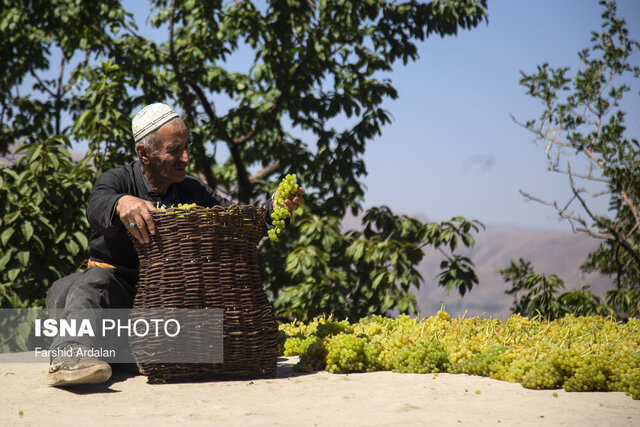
[[550, 252]]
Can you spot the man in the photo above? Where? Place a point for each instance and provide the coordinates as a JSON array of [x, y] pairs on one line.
[[121, 202]]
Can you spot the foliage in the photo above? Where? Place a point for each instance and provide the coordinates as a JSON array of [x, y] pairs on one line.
[[42, 223], [308, 102], [538, 295], [583, 115], [377, 270], [575, 353]]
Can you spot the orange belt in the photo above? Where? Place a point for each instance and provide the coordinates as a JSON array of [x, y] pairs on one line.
[[93, 263]]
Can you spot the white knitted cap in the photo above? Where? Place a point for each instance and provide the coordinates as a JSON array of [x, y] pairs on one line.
[[150, 118]]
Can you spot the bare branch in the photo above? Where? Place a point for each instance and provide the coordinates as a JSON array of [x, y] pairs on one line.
[[576, 222], [634, 210], [172, 54], [541, 201], [46, 89], [293, 27], [613, 232], [182, 93], [245, 137], [576, 193], [592, 156], [266, 172], [595, 194], [209, 107], [58, 96], [542, 134], [589, 177]]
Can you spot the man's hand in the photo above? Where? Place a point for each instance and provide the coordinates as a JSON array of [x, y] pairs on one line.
[[294, 203], [135, 211]]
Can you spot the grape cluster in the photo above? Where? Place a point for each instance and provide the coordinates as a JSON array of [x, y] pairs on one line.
[[184, 206], [345, 353], [286, 190], [575, 353], [297, 345], [313, 359], [481, 363], [424, 356]]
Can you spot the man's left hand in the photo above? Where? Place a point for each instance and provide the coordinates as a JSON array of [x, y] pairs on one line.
[[295, 202]]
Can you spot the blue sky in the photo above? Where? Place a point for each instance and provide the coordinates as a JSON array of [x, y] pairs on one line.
[[452, 147]]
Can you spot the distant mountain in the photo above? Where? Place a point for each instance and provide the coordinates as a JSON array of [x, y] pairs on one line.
[[559, 253]]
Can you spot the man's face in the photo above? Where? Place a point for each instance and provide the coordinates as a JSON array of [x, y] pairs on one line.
[[167, 164]]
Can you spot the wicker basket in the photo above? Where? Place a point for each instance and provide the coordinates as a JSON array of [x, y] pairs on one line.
[[207, 258]]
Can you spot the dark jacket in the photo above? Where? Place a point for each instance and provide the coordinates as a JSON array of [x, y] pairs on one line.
[[109, 241]]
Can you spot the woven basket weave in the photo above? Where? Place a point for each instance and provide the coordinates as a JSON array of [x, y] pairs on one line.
[[207, 258]]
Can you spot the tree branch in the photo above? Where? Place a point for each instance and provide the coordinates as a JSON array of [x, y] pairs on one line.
[[245, 137], [634, 210], [612, 230], [266, 172], [182, 93], [209, 108], [44, 87], [174, 61], [58, 96], [589, 177], [564, 213]]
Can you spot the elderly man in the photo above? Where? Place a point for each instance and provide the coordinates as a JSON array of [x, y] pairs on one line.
[[120, 203]]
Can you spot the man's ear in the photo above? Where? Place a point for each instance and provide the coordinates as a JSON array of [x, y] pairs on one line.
[[142, 154]]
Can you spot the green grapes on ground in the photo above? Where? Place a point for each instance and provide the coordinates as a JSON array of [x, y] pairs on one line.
[[574, 353]]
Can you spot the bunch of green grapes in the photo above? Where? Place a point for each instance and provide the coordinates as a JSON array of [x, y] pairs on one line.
[[625, 374], [296, 328], [295, 345], [345, 353], [319, 327], [314, 358], [372, 349], [184, 206], [542, 375], [481, 364], [590, 377], [422, 357], [286, 190], [391, 347]]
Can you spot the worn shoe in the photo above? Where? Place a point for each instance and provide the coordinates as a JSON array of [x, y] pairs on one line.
[[71, 367]]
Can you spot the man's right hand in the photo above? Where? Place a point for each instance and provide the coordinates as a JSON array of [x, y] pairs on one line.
[[133, 210]]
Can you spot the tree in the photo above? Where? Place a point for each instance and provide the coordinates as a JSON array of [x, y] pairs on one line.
[[537, 295], [309, 102], [43, 231], [582, 118]]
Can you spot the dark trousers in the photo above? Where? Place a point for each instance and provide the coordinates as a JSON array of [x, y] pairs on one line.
[[81, 295]]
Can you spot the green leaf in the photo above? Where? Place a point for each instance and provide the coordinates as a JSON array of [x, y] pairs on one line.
[[23, 257], [5, 258], [82, 239], [36, 153], [12, 217], [72, 247], [60, 237], [5, 236], [13, 273], [379, 278], [27, 230], [54, 160]]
